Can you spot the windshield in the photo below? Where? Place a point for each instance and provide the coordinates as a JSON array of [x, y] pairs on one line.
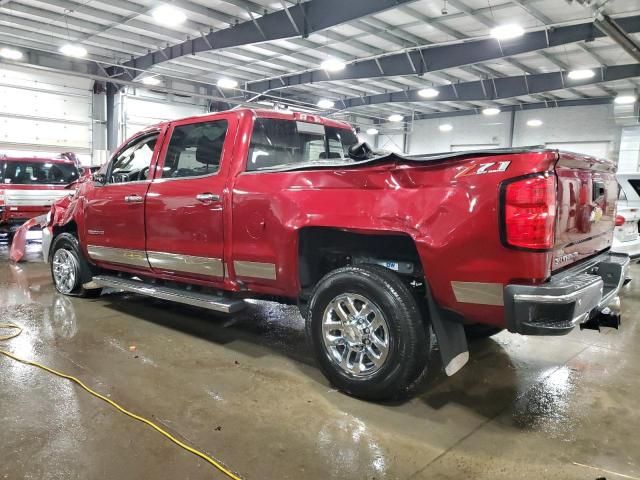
[[25, 172], [280, 143]]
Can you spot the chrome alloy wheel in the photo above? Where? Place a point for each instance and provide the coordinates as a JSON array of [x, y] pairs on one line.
[[355, 334], [65, 270]]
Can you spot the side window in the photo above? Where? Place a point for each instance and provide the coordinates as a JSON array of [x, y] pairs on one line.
[[621, 195], [195, 149], [339, 140], [133, 162]]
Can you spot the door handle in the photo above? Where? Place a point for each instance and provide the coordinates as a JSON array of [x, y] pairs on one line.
[[133, 198], [207, 197]]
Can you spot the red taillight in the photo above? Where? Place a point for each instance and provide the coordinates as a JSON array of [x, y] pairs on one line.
[[619, 220], [530, 212]]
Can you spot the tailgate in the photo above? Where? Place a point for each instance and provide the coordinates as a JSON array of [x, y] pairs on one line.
[[587, 195], [19, 197]]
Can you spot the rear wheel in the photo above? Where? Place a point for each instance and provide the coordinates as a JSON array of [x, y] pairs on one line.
[[67, 267], [367, 332]]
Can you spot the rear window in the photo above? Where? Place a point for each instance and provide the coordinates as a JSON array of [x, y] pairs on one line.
[[37, 173], [281, 143], [636, 185]]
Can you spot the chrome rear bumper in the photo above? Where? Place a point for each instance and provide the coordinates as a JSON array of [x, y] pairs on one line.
[[568, 299]]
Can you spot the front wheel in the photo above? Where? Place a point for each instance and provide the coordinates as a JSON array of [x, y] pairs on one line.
[[367, 332], [67, 264]]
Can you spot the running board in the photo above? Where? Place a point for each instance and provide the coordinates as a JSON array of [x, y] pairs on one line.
[[196, 299]]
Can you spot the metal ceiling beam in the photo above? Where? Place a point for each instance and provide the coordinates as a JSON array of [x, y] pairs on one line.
[[581, 102], [308, 17], [500, 88], [436, 58]]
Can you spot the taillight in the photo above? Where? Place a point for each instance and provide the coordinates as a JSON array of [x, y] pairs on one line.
[[1, 198], [619, 220], [529, 209]]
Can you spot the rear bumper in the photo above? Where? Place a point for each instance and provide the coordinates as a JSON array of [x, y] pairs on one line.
[[568, 299]]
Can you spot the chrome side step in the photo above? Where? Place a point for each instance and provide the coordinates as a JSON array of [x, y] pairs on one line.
[[196, 299]]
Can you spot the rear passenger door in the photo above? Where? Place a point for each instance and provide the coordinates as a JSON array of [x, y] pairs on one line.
[[185, 201]]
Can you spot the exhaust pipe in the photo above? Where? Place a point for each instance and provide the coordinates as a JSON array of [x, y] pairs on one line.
[[608, 317]]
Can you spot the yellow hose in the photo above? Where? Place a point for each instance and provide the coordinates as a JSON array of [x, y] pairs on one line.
[[18, 330]]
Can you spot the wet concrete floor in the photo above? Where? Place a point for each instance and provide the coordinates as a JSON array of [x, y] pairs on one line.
[[245, 389]]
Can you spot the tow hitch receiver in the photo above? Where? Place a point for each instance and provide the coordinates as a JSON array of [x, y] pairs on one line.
[[607, 317]]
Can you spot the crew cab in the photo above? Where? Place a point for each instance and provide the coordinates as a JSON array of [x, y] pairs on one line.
[[29, 186], [380, 251]]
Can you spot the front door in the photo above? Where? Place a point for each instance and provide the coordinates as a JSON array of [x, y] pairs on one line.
[[114, 211], [184, 206]]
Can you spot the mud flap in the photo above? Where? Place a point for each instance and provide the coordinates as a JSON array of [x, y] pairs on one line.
[[452, 340]]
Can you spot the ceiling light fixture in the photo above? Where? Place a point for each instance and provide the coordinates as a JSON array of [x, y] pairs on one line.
[[428, 93], [227, 83], [73, 50], [151, 81], [372, 131], [10, 53], [333, 65], [581, 74], [507, 32], [491, 111], [445, 127], [395, 117], [534, 122], [325, 104], [168, 15], [625, 99]]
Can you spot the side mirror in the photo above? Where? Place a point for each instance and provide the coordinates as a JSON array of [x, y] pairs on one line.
[[100, 178]]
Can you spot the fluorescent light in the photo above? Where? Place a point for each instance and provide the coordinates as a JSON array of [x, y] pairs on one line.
[[534, 122], [333, 65], [73, 50], [625, 99], [325, 104], [168, 15], [428, 92], [10, 53], [491, 111], [506, 32], [445, 127], [372, 131], [581, 74], [227, 83], [395, 117], [151, 81]]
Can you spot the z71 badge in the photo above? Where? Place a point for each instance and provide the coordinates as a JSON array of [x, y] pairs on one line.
[[483, 168]]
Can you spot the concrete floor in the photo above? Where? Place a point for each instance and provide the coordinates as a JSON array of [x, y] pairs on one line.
[[246, 390]]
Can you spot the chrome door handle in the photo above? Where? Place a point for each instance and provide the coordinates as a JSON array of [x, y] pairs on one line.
[[207, 197], [133, 199]]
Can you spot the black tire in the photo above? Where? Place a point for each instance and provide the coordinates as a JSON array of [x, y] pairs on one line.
[[408, 339], [68, 243], [478, 330]]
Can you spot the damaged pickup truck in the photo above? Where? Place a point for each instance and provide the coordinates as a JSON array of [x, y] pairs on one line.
[[380, 251]]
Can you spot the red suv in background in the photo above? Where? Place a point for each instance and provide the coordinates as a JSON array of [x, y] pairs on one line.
[[29, 186]]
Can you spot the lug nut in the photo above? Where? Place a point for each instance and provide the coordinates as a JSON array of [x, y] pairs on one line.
[[367, 330]]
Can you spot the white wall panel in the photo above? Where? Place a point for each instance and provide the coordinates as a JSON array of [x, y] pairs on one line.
[[44, 112], [143, 109], [468, 132], [586, 126]]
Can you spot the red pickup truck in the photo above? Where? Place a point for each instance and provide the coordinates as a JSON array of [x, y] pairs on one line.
[[29, 186], [380, 251]]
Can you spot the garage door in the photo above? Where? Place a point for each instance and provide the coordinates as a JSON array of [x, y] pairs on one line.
[[595, 149], [44, 114]]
